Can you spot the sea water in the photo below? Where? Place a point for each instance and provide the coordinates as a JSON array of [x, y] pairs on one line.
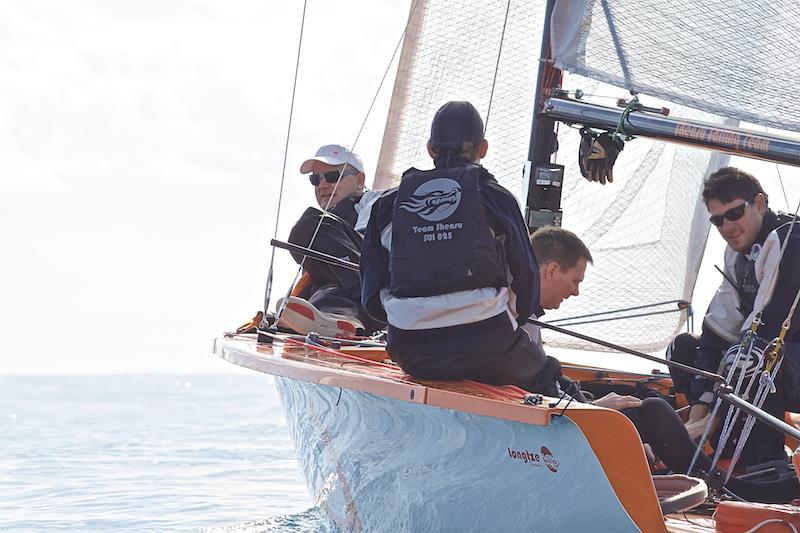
[[149, 453]]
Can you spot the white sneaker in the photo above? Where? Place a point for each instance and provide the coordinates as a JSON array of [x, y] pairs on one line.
[[302, 317]]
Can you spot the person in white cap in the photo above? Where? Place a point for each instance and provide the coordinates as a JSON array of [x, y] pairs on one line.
[[337, 174], [327, 298]]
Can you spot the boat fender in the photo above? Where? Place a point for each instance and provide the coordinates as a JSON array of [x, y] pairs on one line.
[[678, 492]]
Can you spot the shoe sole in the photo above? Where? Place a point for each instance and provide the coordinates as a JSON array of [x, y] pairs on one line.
[[304, 320]]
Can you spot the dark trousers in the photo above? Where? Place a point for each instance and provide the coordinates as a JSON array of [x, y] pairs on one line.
[[333, 289], [661, 427], [490, 351]]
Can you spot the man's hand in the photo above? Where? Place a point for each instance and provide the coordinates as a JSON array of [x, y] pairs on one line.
[[698, 418], [596, 156], [612, 400]]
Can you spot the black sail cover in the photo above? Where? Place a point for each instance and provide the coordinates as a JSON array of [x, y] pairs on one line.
[[441, 241]]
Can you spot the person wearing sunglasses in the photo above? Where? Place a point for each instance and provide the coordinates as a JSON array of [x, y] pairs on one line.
[[326, 299], [757, 277]]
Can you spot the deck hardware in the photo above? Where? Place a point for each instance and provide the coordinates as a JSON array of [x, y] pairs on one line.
[[529, 399]]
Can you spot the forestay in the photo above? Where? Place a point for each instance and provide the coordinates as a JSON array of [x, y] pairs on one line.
[[648, 229]]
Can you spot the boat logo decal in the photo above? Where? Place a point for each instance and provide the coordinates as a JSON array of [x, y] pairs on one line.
[[434, 200], [549, 461], [535, 460]]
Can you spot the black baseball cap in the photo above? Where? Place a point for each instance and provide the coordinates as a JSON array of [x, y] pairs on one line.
[[455, 123]]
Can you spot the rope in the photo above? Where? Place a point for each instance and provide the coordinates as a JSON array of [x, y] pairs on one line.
[[733, 414], [772, 521], [270, 274], [718, 402], [618, 134], [761, 396], [496, 68]]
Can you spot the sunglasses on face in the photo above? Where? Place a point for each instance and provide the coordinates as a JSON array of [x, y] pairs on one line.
[[733, 214], [330, 177]]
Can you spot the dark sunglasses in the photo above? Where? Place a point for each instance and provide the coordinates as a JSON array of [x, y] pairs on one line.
[[330, 177], [733, 214]]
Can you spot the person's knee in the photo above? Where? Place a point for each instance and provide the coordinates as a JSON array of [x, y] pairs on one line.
[[683, 348], [656, 408], [552, 366]]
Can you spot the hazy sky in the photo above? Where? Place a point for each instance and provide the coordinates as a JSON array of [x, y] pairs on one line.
[[141, 150]]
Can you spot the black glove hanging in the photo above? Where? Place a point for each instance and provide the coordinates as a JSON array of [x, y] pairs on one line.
[[597, 155]]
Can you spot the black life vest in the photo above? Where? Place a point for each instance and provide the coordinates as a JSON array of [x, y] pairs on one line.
[[441, 241], [745, 267]]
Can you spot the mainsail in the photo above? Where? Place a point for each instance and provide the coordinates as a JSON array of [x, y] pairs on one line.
[[647, 231]]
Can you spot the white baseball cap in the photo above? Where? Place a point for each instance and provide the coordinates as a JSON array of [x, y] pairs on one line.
[[334, 154]]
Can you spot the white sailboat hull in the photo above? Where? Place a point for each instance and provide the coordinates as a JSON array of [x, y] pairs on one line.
[[374, 463]]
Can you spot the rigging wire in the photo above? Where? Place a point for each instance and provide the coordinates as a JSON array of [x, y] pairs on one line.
[[610, 319], [270, 274], [325, 210], [682, 304], [496, 68], [780, 179]]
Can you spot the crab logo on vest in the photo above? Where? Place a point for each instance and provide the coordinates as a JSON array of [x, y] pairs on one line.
[[549, 461], [434, 200]]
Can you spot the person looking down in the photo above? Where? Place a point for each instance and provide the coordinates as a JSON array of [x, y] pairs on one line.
[[562, 259]]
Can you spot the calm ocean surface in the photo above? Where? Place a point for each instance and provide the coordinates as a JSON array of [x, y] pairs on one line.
[[148, 453]]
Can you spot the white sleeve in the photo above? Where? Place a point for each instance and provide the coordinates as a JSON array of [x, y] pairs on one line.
[[767, 264], [364, 208], [723, 315]]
